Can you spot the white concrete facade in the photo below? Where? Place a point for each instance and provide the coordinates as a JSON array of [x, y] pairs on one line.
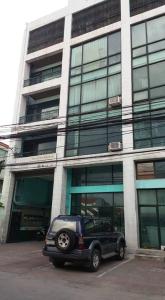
[[58, 162]]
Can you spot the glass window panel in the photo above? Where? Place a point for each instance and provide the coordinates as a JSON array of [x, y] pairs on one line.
[[160, 172], [115, 113], [95, 50], [156, 29], [72, 139], [141, 108], [140, 61], [147, 197], [158, 142], [76, 58], [158, 103], [95, 90], [114, 69], [118, 199], [73, 110], [158, 56], [140, 96], [76, 71], [162, 224], [73, 120], [75, 80], [117, 173], [138, 35], [142, 130], [71, 152], [93, 137], [118, 221], [157, 92], [157, 72], [92, 150], [114, 43], [95, 65], [114, 85], [140, 79], [74, 95], [114, 59], [139, 51], [148, 227], [142, 144], [156, 46], [78, 176], [145, 170], [99, 175], [94, 75], [99, 105], [93, 117], [158, 128], [114, 133]]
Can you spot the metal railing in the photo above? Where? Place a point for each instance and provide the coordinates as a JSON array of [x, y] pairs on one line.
[[41, 77], [53, 114], [34, 153]]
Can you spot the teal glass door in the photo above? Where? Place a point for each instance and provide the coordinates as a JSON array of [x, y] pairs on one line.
[[149, 227], [152, 218]]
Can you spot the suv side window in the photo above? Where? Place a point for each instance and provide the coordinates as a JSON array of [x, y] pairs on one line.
[[89, 227]]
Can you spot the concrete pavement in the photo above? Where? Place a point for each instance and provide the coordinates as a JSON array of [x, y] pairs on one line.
[[25, 274]]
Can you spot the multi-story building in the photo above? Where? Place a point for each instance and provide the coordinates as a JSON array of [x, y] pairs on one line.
[[3, 155], [90, 110]]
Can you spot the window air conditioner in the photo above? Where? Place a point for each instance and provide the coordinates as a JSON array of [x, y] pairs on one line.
[[115, 146], [115, 101]]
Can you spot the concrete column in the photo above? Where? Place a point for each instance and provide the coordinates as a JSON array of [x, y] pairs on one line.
[[59, 191], [60, 174], [126, 75], [130, 204], [7, 196]]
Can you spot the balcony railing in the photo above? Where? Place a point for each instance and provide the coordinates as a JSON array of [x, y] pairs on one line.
[[49, 115], [34, 153], [43, 77]]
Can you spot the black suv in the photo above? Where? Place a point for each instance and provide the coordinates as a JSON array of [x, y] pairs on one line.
[[83, 239]]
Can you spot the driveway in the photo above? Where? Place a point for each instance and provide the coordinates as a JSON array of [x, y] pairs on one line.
[[25, 274]]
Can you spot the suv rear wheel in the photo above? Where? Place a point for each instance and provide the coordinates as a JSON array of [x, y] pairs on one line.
[[95, 260], [58, 263]]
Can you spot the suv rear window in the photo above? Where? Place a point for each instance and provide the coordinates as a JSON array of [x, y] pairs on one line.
[[61, 224]]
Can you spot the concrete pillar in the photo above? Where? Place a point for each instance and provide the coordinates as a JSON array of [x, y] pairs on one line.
[[130, 204], [126, 75], [59, 191], [60, 174], [7, 196]]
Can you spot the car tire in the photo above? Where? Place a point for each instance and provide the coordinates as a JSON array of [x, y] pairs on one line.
[[95, 261], [121, 252], [58, 263], [65, 240]]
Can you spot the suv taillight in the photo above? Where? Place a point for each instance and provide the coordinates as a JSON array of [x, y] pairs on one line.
[[81, 243]]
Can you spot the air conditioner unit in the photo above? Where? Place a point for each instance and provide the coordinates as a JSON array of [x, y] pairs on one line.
[[114, 101], [115, 146]]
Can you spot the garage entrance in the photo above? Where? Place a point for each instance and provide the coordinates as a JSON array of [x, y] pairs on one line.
[[31, 207]]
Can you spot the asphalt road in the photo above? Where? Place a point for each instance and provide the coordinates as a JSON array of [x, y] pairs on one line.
[[25, 274]]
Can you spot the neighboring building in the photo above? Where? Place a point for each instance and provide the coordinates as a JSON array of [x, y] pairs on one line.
[[3, 155], [90, 113]]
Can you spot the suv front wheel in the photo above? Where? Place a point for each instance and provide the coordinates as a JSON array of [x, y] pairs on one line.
[[121, 252], [95, 260]]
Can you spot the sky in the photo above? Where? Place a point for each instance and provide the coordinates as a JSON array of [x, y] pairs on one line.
[[14, 14]]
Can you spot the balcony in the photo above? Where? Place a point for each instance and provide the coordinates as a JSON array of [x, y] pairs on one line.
[[43, 76], [34, 153], [41, 116]]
